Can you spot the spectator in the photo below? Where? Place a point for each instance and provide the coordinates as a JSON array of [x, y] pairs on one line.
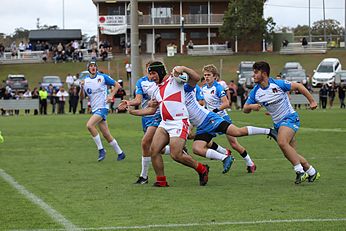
[[341, 94], [128, 67], [34, 95], [53, 100], [14, 52], [323, 96], [69, 81], [43, 94], [331, 94], [21, 46], [103, 54], [190, 45], [233, 94], [285, 43], [27, 95], [62, 94], [304, 42], [241, 92], [73, 99], [2, 50]]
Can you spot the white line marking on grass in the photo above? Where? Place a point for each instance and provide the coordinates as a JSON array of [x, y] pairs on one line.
[[202, 224], [38, 201]]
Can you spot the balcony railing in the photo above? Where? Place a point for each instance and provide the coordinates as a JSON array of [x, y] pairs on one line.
[[193, 19]]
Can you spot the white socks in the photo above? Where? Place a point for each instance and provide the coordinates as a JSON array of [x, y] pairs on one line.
[[256, 130], [146, 161], [214, 155], [248, 160], [115, 146], [298, 168], [98, 142], [311, 171], [221, 149]]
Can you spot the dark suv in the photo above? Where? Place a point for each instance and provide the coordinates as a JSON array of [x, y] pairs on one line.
[[17, 83]]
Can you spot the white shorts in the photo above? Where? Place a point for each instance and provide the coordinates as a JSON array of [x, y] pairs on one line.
[[176, 128]]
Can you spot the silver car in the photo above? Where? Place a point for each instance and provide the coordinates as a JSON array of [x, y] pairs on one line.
[[54, 80]]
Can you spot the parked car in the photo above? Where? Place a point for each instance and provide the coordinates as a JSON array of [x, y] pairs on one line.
[[290, 66], [17, 82], [325, 72], [54, 80], [340, 78], [296, 75], [244, 70]]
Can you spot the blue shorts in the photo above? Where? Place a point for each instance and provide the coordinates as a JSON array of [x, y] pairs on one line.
[[292, 121], [102, 112], [210, 124], [228, 119], [150, 121]]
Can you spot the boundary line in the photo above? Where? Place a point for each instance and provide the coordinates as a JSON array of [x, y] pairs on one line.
[[55, 215], [198, 224]]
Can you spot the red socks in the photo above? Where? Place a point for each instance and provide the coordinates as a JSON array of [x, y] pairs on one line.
[[200, 168]]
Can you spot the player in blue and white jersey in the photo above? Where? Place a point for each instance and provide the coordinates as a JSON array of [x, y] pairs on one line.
[[145, 87], [216, 101], [208, 124], [272, 94], [95, 87]]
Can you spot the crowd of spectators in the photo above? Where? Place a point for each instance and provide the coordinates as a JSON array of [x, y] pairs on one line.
[[56, 99], [60, 52]]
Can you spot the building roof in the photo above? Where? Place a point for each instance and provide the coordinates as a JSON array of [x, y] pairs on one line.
[[70, 34]]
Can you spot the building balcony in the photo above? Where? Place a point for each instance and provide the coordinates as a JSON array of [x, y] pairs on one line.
[[190, 20]]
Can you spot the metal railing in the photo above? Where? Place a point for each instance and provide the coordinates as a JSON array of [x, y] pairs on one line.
[[22, 57], [310, 48], [176, 20], [219, 49]]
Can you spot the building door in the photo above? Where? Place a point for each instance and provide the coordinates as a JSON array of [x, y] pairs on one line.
[[149, 43]]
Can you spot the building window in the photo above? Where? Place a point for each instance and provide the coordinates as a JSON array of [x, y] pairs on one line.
[[161, 12], [169, 35], [199, 9], [199, 35], [116, 10]]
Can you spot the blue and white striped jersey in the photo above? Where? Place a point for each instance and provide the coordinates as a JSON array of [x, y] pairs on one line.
[[212, 96], [274, 98], [197, 113], [146, 88], [96, 89]]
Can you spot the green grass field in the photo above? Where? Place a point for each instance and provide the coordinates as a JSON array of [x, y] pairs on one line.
[[54, 159]]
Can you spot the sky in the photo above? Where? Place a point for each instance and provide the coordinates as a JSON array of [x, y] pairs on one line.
[[81, 14]]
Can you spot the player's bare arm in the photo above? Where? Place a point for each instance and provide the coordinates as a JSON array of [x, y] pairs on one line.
[[300, 87], [143, 112], [224, 103], [127, 103], [251, 107], [193, 76], [113, 91]]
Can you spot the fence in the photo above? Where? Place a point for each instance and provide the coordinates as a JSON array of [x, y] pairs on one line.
[[37, 57], [300, 99], [13, 104], [311, 48], [22, 57], [210, 50]]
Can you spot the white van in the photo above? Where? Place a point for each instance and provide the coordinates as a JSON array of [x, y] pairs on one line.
[[325, 72]]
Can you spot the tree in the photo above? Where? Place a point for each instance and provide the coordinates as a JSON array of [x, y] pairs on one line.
[[244, 19], [332, 27], [301, 30]]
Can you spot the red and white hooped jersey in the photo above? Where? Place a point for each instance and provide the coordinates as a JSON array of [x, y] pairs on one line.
[[171, 97]]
